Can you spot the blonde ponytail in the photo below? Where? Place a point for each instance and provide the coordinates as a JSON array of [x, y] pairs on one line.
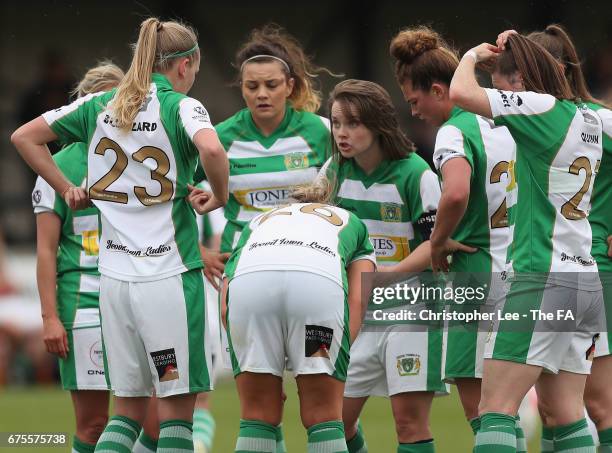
[[159, 45]]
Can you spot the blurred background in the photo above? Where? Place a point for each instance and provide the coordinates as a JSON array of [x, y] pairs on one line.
[[46, 46]]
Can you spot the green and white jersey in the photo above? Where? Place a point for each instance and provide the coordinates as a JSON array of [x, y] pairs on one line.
[[599, 216], [397, 202], [264, 170], [489, 150], [78, 279], [309, 237], [139, 179], [558, 147]]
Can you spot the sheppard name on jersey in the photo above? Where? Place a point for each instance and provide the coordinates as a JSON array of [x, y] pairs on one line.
[[136, 127], [150, 251], [284, 241]]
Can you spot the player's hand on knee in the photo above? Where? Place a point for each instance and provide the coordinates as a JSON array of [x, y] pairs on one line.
[[55, 337]]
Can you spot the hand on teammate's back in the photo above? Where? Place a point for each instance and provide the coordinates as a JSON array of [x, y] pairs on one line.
[[76, 198], [440, 253], [214, 265]]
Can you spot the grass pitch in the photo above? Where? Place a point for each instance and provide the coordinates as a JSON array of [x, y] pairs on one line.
[[47, 409]]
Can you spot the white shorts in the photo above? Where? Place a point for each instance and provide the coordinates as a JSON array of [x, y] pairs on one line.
[[545, 343], [83, 369], [154, 335], [213, 331], [388, 360], [301, 316]]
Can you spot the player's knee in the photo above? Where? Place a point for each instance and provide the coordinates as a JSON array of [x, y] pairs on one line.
[[89, 430], [411, 428], [598, 407]]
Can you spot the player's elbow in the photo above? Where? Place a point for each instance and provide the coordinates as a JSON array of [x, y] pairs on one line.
[[458, 196], [18, 137], [457, 93]]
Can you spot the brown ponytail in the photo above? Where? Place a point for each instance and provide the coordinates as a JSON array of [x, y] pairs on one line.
[[158, 46], [558, 42], [273, 40], [540, 71], [423, 57]]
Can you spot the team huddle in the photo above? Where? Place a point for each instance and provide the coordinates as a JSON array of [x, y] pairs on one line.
[[315, 208]]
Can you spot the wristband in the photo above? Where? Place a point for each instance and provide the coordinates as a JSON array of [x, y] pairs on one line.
[[472, 54]]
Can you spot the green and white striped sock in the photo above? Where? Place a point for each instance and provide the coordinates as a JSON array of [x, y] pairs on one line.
[[547, 442], [426, 446], [327, 437], [521, 442], [175, 436], [357, 444], [78, 446], [203, 429], [497, 434], [256, 437], [280, 440], [605, 440], [144, 444], [118, 436], [574, 438], [475, 424]]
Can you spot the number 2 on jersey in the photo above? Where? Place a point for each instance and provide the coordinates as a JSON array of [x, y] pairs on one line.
[[499, 219], [318, 209], [570, 210], [99, 190]]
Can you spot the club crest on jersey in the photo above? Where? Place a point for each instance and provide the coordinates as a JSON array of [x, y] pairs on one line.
[[296, 161], [409, 364], [391, 212]]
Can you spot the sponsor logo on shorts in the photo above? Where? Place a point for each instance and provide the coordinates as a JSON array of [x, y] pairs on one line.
[[577, 259], [409, 364], [296, 161], [590, 352], [36, 196], [165, 364], [96, 355], [391, 212], [318, 341]]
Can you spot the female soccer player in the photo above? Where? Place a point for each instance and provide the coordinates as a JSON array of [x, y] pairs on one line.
[[276, 142], [68, 281], [558, 146], [375, 174], [472, 158], [598, 394], [295, 292], [143, 143]]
